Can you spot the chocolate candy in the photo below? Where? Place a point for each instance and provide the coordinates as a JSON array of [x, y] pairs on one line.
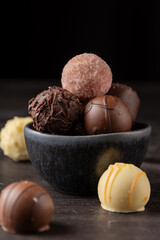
[[124, 188], [55, 110], [25, 207], [87, 76], [128, 95], [107, 114], [12, 140], [79, 129]]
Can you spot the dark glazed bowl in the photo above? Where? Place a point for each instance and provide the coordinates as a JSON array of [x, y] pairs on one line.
[[74, 164]]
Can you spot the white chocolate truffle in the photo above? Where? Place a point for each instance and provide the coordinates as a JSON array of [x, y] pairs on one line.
[[123, 188], [12, 140]]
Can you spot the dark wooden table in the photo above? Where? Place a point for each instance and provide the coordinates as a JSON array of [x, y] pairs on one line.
[[83, 217]]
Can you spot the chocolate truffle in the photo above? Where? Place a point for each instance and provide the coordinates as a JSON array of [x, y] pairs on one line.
[[54, 110], [123, 188], [12, 140], [25, 207], [87, 76], [107, 114], [128, 95], [79, 129]]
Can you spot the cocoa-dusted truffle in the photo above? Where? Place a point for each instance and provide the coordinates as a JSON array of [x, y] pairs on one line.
[[25, 207], [128, 95], [87, 76], [54, 110], [107, 114]]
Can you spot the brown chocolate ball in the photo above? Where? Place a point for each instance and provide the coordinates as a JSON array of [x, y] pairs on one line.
[[55, 110], [107, 114], [128, 95], [25, 207], [79, 129]]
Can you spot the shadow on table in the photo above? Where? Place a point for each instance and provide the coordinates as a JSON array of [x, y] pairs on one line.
[[153, 160], [57, 229]]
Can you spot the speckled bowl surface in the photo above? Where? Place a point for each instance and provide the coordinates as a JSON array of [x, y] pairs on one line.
[[74, 164]]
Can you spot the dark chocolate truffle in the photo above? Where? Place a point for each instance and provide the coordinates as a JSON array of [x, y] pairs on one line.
[[54, 110], [79, 129], [25, 207], [128, 95], [107, 114]]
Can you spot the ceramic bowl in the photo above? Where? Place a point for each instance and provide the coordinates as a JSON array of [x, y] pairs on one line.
[[74, 164]]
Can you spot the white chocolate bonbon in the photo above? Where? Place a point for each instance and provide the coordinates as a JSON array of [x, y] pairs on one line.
[[12, 140], [123, 188]]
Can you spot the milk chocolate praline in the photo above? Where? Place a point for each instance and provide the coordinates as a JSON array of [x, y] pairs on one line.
[[25, 207], [128, 95], [107, 114]]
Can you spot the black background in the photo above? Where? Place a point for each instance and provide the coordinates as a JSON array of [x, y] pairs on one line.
[[37, 38]]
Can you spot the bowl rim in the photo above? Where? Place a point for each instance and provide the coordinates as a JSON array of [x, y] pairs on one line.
[[145, 128]]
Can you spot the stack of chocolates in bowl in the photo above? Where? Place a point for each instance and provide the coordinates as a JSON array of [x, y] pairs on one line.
[[88, 103], [88, 122]]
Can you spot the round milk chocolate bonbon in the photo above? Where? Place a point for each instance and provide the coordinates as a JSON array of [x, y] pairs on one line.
[[107, 114], [25, 207], [128, 95]]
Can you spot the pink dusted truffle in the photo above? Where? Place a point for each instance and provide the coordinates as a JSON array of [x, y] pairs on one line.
[[87, 76]]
